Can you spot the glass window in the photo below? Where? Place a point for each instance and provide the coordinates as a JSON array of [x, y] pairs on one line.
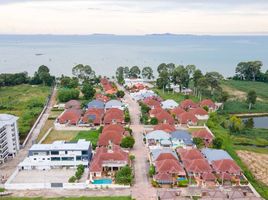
[[78, 158], [67, 158], [54, 153], [55, 158]]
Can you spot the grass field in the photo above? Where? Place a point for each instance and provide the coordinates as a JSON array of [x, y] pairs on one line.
[[68, 198], [91, 136], [46, 127], [24, 101], [175, 96], [245, 86]]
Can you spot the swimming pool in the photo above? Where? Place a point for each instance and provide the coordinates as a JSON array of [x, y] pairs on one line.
[[103, 181], [181, 179]]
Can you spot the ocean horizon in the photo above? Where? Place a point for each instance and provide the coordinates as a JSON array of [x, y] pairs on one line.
[[105, 52]]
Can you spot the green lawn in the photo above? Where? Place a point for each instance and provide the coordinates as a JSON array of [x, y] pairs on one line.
[[219, 131], [175, 96], [92, 136], [245, 86], [24, 101], [69, 198], [236, 107]]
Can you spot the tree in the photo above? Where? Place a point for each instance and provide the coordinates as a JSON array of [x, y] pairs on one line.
[[199, 142], [134, 72], [124, 176], [217, 143], [154, 121], [127, 142], [83, 73], [213, 78], [126, 72], [88, 91], [202, 85], [162, 67], [65, 94], [120, 94], [196, 76], [42, 76], [163, 81], [151, 171], [147, 72], [223, 97], [236, 124], [190, 69], [248, 70], [120, 75], [251, 98], [181, 76], [72, 179], [68, 82]]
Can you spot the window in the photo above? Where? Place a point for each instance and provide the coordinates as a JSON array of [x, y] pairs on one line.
[[54, 153], [84, 152], [43, 158], [55, 158], [78, 157], [67, 158], [66, 152]]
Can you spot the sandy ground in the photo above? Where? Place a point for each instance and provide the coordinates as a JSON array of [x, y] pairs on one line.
[[236, 94], [257, 163]]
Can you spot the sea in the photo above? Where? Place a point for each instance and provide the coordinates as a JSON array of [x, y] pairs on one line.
[[104, 53]]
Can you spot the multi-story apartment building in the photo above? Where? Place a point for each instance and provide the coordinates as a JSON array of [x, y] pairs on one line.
[[9, 137], [58, 154]]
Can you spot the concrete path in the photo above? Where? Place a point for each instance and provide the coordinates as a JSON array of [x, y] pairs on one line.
[[9, 167], [142, 188]]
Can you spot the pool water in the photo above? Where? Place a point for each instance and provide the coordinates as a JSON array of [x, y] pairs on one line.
[[103, 181], [181, 179]]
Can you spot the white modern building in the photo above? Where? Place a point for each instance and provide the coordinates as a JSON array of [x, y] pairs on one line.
[[57, 155], [9, 137]]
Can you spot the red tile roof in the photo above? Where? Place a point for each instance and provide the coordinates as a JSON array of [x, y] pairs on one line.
[[170, 166], [165, 156], [187, 117], [198, 111], [163, 177], [226, 165], [154, 111], [165, 127], [188, 104], [102, 98], [103, 154], [95, 113], [202, 133], [73, 104], [164, 117], [208, 102], [110, 136], [189, 154], [71, 116], [197, 166], [114, 127], [152, 102], [114, 115], [208, 176], [177, 111]]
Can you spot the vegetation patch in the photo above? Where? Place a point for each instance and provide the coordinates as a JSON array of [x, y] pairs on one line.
[[92, 136]]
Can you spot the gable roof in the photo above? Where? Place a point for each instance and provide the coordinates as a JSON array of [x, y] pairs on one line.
[[197, 166], [202, 133], [177, 111], [215, 154], [169, 104], [110, 136], [189, 154], [182, 135], [93, 114], [113, 104], [170, 166], [226, 166], [165, 156], [165, 117], [188, 104], [114, 127], [102, 98], [186, 117], [165, 127], [151, 102], [156, 152], [157, 135], [71, 116], [96, 104], [198, 111], [73, 104], [207, 102]]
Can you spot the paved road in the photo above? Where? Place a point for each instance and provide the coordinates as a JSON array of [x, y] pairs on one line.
[[9, 167], [142, 189]]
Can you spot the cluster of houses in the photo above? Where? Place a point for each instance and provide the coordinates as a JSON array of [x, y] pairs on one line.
[[96, 113], [172, 153], [108, 86], [109, 157]]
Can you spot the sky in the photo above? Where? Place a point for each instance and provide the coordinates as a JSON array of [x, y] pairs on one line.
[[134, 17]]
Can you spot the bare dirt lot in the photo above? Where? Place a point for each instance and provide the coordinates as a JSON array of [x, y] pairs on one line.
[[257, 163]]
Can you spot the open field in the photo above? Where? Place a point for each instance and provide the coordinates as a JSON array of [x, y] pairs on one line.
[[175, 96], [257, 163], [92, 136], [68, 198], [60, 135], [45, 128], [239, 88], [24, 101]]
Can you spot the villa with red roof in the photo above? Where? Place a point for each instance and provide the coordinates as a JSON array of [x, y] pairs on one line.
[[114, 116], [107, 160], [152, 103], [208, 103], [189, 154], [93, 116], [197, 167], [199, 113], [226, 166], [177, 111], [154, 111], [188, 104], [108, 136], [204, 134], [187, 118], [73, 104], [70, 117], [102, 98], [165, 117]]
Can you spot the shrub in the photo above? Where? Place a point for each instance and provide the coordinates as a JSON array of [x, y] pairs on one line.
[[151, 171], [124, 176], [120, 93], [155, 184], [72, 179], [132, 157], [127, 142], [217, 143], [65, 94], [154, 121], [183, 183], [199, 142]]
